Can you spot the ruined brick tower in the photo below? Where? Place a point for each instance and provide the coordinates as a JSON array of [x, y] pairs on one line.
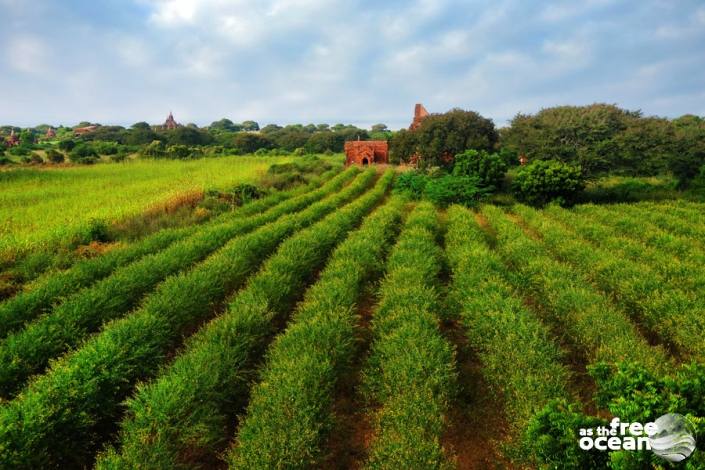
[[419, 114]]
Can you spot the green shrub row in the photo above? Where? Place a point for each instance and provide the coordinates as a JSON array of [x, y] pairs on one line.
[[500, 328], [673, 217], [677, 260], [285, 426], [411, 368], [64, 416], [597, 328], [682, 243], [47, 292], [28, 351], [674, 314], [187, 411]]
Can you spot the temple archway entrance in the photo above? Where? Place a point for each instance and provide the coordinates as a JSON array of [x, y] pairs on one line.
[[365, 161]]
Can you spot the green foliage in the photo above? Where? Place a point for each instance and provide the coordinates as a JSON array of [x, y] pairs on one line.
[[188, 136], [489, 168], [490, 313], [285, 426], [55, 156], [244, 193], [410, 371], [442, 136], [552, 437], [543, 181], [156, 149], [65, 413], [412, 183], [66, 145], [83, 153], [36, 159], [250, 143], [190, 403], [449, 189]]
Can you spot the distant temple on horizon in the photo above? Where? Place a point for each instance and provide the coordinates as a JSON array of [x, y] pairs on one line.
[[170, 122]]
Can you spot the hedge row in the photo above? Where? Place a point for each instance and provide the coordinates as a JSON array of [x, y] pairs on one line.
[[186, 412], [500, 328], [658, 302], [285, 425], [602, 332], [41, 296], [64, 416], [411, 368], [681, 220], [28, 351], [639, 227]]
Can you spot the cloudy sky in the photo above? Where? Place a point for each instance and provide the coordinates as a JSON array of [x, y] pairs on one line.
[[357, 61]]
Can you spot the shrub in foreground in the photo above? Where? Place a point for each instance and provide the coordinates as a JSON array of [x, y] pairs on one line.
[[546, 180]]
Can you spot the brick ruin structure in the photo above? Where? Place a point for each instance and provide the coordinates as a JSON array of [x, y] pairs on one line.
[[170, 122], [84, 130], [366, 152], [419, 114], [12, 140]]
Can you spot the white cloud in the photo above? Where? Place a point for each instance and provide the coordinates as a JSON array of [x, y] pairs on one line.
[[27, 54]]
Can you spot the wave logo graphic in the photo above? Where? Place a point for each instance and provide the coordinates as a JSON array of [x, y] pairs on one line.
[[674, 439]]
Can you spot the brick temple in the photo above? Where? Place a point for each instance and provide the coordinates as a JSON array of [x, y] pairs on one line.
[[366, 152], [170, 122]]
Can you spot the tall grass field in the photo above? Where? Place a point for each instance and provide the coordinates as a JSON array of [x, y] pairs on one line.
[[40, 208]]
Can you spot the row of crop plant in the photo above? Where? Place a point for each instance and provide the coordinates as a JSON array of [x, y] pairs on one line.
[[410, 373], [673, 313], [187, 409], [42, 295], [28, 351], [64, 416], [519, 358], [290, 412], [640, 385], [677, 259]]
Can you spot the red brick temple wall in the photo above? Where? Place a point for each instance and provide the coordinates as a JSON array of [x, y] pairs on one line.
[[366, 152]]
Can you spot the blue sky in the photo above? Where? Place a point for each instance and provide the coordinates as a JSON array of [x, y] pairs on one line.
[[360, 61]]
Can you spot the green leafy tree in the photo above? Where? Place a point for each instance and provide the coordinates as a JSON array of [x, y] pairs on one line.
[[250, 143], [188, 136], [442, 136], [543, 181], [449, 189], [250, 126], [83, 153], [490, 168]]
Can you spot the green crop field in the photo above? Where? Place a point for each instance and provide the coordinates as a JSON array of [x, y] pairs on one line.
[[342, 325], [42, 207]]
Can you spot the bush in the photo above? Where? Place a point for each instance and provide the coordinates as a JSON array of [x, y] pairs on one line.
[[67, 145], [178, 152], [449, 189], [36, 158], [412, 183], [5, 161], [118, 157], [545, 180], [299, 152], [244, 193], [55, 156], [154, 150], [83, 153], [489, 167], [106, 148]]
